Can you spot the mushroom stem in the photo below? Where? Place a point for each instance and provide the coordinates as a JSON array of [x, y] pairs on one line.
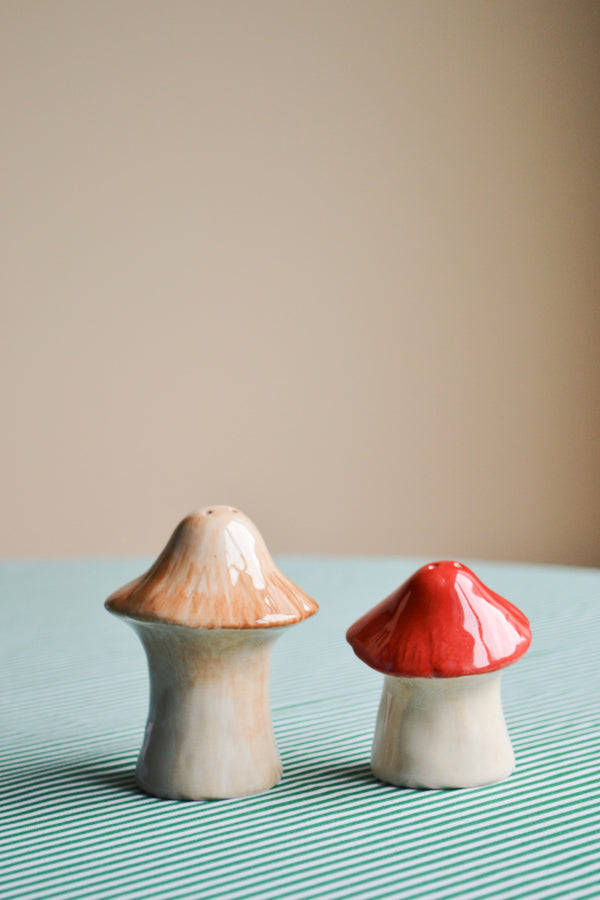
[[209, 732], [441, 732]]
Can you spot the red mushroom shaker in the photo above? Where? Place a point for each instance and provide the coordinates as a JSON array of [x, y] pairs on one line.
[[441, 640]]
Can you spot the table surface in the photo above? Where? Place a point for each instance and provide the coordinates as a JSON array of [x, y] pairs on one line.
[[74, 700]]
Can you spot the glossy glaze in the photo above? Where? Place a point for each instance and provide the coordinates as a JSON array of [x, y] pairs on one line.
[[208, 612], [443, 622], [209, 732], [441, 732], [215, 572], [441, 639]]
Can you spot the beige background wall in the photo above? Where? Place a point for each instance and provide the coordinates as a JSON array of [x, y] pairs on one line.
[[336, 263]]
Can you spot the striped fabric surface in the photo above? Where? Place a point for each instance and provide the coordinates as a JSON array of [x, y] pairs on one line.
[[74, 701]]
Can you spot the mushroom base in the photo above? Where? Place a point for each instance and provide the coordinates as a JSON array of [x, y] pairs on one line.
[[209, 733], [442, 732]]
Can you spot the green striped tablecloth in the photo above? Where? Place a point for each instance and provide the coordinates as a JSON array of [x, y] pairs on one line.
[[74, 694]]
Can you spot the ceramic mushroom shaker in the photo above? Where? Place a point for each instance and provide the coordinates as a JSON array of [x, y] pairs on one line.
[[441, 640], [208, 612]]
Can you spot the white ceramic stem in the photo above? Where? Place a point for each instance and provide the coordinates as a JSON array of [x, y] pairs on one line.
[[442, 732], [209, 732]]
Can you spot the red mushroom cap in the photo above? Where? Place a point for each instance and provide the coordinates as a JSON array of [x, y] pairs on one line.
[[441, 623]]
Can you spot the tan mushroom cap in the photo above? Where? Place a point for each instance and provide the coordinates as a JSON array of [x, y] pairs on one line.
[[215, 572]]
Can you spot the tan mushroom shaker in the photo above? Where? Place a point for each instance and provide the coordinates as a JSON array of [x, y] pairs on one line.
[[208, 612]]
